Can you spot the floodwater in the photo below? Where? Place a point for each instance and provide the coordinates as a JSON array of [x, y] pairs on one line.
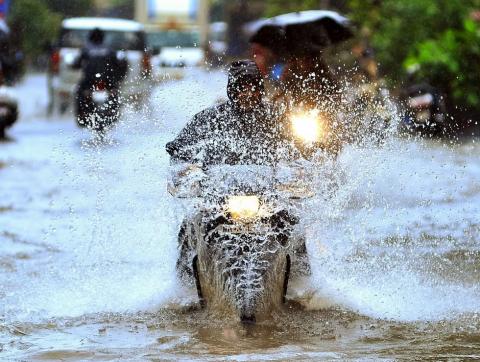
[[88, 249]]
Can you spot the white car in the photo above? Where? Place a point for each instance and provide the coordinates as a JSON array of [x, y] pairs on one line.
[[175, 51], [125, 36], [217, 43]]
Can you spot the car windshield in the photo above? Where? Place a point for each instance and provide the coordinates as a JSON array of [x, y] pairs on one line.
[[173, 38], [117, 40]]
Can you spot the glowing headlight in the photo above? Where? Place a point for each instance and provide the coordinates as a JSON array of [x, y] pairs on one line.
[[307, 126], [243, 207]]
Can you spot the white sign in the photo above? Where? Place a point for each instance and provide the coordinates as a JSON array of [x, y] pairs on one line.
[[168, 9]]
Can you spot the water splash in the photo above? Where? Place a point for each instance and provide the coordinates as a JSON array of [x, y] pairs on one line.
[[379, 241], [382, 234]]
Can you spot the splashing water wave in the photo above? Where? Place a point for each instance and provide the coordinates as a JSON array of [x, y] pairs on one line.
[[380, 240]]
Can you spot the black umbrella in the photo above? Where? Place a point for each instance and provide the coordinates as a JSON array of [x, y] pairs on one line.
[[305, 31]]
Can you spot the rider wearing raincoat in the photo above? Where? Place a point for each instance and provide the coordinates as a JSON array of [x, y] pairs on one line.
[[243, 130]]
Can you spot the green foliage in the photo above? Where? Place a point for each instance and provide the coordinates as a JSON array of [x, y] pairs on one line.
[[433, 36], [33, 23], [396, 26], [451, 60]]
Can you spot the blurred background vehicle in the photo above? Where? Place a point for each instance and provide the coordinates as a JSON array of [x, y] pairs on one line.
[[217, 43], [9, 74], [174, 50], [122, 35], [425, 109], [103, 72], [176, 33], [8, 106]]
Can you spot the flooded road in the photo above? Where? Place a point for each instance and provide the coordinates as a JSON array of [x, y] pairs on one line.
[[88, 248]]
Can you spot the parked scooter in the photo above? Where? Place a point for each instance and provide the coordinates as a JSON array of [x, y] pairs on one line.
[[425, 109], [8, 106]]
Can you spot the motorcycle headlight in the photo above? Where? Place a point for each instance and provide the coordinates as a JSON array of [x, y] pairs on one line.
[[308, 126], [243, 207]]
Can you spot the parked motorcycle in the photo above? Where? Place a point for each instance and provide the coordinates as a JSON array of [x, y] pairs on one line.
[[8, 107], [425, 109]]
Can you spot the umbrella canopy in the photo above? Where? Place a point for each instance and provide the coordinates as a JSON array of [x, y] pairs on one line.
[[308, 31]]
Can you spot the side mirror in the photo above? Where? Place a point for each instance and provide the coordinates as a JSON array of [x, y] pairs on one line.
[[156, 50]]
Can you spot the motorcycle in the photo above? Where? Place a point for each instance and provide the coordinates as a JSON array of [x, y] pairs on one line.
[[426, 110], [8, 107], [242, 243], [98, 107]]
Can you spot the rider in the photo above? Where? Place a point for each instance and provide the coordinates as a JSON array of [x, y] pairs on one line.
[[99, 63], [243, 130]]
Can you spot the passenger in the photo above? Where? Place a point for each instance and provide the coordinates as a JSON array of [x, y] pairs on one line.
[[307, 76], [307, 80], [267, 48], [294, 69]]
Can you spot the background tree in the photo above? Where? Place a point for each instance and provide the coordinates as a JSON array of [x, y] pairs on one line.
[[451, 61], [396, 27], [33, 24], [436, 38]]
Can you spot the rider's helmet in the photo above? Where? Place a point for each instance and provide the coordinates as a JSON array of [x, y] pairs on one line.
[[96, 36]]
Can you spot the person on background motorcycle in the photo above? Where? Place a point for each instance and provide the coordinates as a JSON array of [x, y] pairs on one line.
[[98, 63], [297, 77], [243, 130], [424, 99]]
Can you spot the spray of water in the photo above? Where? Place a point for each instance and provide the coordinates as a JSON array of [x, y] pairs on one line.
[[387, 216]]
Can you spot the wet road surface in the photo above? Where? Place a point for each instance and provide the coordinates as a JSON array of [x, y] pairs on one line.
[[88, 249]]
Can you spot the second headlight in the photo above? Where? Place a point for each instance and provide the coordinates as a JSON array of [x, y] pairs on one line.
[[308, 126]]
